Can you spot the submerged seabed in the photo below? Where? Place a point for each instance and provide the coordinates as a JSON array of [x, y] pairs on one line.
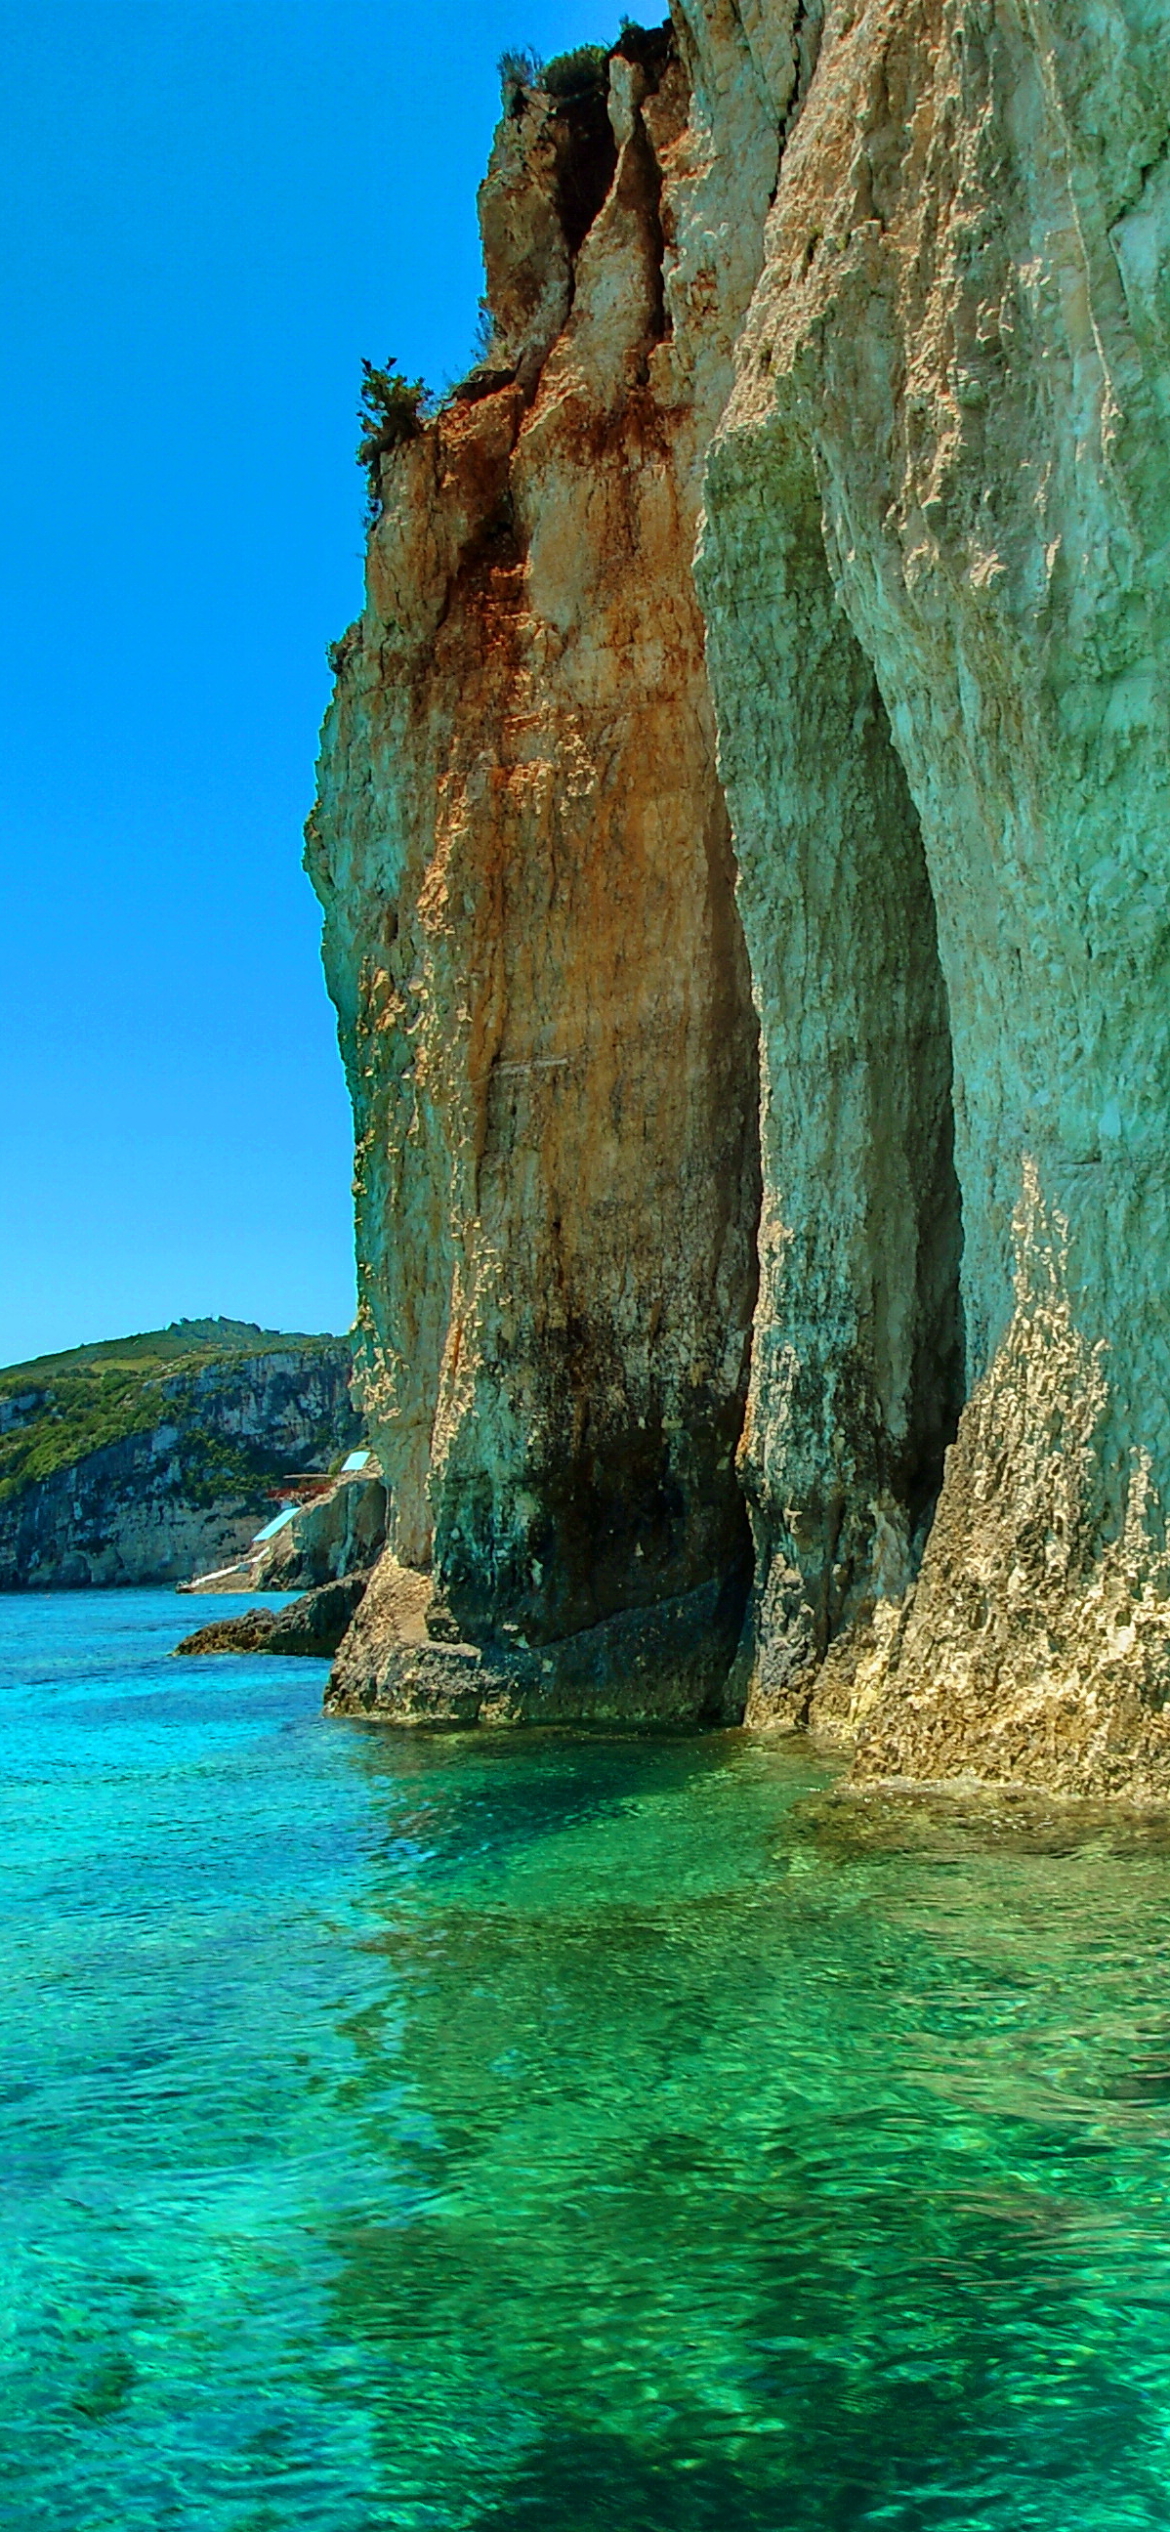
[[555, 2132]]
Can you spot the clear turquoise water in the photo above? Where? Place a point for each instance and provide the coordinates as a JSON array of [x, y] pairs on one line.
[[554, 2133]]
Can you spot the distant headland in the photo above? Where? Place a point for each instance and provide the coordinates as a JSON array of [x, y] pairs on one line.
[[148, 1458]]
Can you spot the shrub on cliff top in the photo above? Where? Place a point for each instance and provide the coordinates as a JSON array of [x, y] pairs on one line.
[[58, 1410], [392, 410], [574, 74], [568, 75]]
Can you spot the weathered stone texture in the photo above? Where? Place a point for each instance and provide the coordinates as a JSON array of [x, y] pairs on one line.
[[932, 560], [959, 329], [857, 1360], [523, 852], [1035, 1649]]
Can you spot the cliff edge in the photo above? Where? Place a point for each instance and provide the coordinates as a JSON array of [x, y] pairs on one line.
[[742, 836]]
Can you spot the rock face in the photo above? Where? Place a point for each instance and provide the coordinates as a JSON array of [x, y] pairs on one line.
[[523, 852], [959, 338], [144, 1459], [875, 298]]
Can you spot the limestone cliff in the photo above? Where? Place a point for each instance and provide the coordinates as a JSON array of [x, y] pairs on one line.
[[523, 853], [958, 348], [873, 298]]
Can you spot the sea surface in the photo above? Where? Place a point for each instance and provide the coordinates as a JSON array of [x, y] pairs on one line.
[[555, 2134]]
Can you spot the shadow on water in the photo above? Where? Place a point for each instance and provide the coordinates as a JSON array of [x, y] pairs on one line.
[[488, 1793]]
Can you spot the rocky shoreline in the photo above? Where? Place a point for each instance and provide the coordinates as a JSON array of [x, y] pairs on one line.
[[315, 1623]]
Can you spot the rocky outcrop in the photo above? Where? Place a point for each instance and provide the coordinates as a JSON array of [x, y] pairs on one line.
[[315, 1624], [1037, 1644], [143, 1459], [874, 298]]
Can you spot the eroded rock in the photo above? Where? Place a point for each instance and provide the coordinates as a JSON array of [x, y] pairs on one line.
[[522, 849], [874, 298], [959, 338], [316, 1623]]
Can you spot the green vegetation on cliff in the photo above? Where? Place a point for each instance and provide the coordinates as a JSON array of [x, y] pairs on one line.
[[391, 410], [61, 1407], [573, 74]]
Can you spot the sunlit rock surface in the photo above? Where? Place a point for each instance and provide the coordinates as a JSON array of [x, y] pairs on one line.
[[523, 852], [875, 298], [958, 337]]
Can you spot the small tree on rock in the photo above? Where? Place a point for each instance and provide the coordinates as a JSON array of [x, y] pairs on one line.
[[392, 409]]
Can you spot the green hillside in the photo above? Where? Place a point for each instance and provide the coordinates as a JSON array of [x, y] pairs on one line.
[[58, 1408]]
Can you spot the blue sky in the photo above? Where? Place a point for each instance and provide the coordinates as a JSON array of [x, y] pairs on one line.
[[209, 210]]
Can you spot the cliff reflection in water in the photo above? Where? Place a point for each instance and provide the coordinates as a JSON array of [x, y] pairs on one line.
[[469, 2131]]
